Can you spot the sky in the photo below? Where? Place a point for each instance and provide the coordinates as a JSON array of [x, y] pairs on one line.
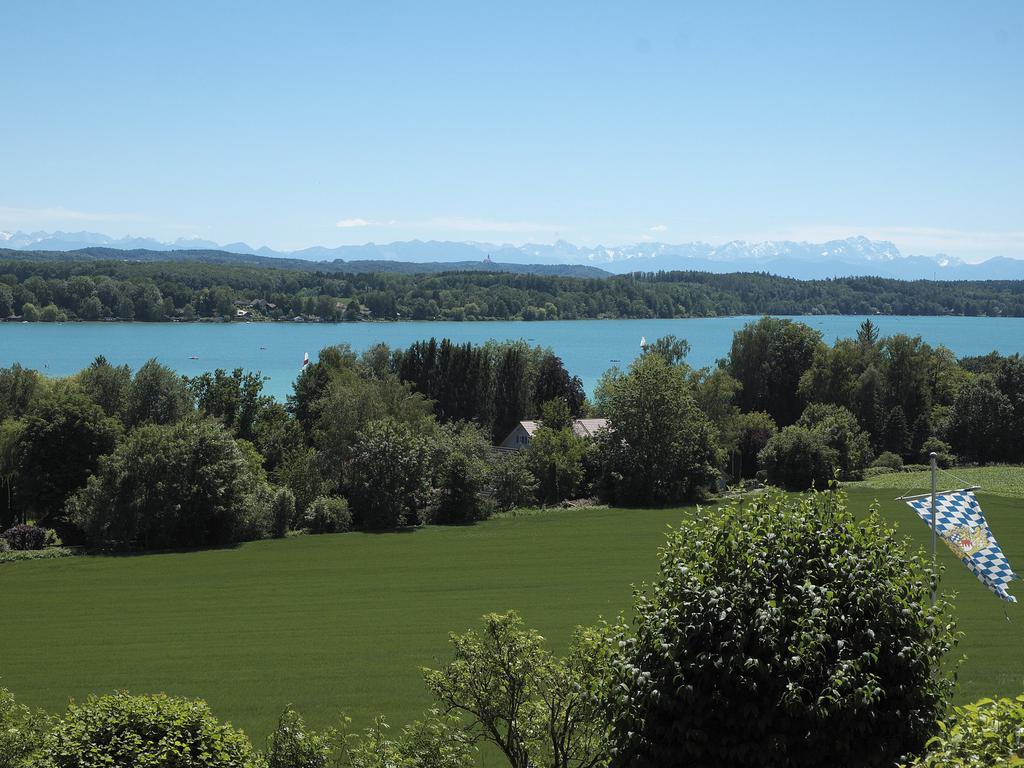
[[298, 123]]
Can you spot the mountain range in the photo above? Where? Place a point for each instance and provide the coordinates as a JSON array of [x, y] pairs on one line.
[[853, 256]]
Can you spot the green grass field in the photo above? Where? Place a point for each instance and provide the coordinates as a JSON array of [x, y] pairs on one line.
[[998, 481], [343, 622]]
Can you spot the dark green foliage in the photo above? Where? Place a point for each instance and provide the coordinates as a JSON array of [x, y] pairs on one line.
[[282, 512], [889, 460], [980, 420], [554, 383], [26, 537], [157, 396], [798, 458], [512, 483], [235, 399], [895, 433], [660, 447], [180, 485], [839, 431], [157, 730], [390, 475], [463, 464], [512, 392], [459, 378], [781, 631], [18, 388], [63, 438], [327, 514], [555, 457], [768, 358], [160, 285], [751, 432], [106, 385]]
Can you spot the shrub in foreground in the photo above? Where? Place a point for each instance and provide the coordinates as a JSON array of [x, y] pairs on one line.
[[21, 732], [986, 733], [124, 730], [781, 631]]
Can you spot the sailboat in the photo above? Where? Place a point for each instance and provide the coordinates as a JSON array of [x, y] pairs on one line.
[[305, 359], [643, 342]]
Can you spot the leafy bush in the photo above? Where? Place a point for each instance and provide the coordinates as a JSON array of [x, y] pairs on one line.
[[798, 458], [555, 458], [462, 468], [50, 553], [282, 512], [181, 485], [22, 537], [889, 460], [21, 732], [512, 483], [124, 730], [782, 631], [877, 471], [292, 745], [916, 467], [328, 514], [986, 733]]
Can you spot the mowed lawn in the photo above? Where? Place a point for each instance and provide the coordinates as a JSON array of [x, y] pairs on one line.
[[342, 623]]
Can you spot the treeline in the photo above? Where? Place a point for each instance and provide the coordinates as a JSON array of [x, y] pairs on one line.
[[720, 623], [160, 291], [388, 438]]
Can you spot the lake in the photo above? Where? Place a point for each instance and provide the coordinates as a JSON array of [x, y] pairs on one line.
[[588, 347]]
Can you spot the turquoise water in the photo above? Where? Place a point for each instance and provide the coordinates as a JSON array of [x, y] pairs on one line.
[[588, 347]]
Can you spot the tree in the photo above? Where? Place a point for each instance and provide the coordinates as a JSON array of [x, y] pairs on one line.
[[768, 359], [840, 431], [106, 385], [660, 448], [553, 382], [762, 643], [512, 483], [292, 745], [979, 421], [752, 432], [671, 349], [283, 512], [235, 399], [535, 708], [157, 396], [555, 457], [177, 485], [123, 730], [19, 387], [59, 447], [798, 458], [462, 470], [512, 395], [390, 475], [895, 432]]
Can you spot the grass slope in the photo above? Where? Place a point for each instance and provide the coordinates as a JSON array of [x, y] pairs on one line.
[[343, 623], [1000, 481]]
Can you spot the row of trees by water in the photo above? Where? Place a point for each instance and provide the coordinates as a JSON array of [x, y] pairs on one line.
[[160, 291], [388, 438]]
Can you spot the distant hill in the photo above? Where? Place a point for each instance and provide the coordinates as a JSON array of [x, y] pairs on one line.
[[339, 266], [850, 257]]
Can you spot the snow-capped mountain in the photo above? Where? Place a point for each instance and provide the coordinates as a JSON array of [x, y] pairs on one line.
[[836, 258]]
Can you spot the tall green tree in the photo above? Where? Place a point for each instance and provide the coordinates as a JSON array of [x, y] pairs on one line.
[[660, 447], [768, 359], [59, 447], [157, 396]]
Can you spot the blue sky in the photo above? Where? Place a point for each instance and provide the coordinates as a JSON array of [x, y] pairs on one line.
[[301, 123]]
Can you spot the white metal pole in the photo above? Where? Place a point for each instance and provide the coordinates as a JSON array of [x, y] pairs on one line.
[[935, 470]]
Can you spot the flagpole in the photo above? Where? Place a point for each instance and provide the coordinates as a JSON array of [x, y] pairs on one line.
[[933, 456]]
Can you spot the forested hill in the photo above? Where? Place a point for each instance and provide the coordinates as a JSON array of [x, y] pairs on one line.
[[359, 266], [58, 289]]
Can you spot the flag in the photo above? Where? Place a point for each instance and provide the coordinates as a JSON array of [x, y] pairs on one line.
[[960, 523]]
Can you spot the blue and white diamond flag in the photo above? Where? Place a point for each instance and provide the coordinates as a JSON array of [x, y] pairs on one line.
[[960, 523]]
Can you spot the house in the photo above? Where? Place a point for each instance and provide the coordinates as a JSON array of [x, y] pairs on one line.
[[519, 437]]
